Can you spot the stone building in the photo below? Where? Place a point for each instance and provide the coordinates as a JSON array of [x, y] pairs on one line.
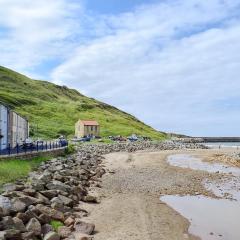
[[14, 129], [85, 128]]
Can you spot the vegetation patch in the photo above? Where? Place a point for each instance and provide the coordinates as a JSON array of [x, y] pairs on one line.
[[14, 169], [56, 224]]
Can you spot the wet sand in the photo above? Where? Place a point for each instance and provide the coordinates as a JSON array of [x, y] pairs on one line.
[[130, 205]]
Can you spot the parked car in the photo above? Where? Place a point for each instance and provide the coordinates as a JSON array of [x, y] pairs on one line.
[[28, 143], [133, 138]]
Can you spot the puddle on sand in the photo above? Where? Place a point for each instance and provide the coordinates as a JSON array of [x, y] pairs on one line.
[[188, 161], [211, 219]]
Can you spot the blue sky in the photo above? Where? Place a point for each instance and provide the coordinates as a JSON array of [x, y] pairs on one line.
[[173, 64]]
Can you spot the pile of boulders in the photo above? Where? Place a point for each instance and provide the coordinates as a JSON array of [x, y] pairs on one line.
[[51, 194]]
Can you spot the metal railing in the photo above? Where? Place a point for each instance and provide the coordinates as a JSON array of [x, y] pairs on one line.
[[35, 147]]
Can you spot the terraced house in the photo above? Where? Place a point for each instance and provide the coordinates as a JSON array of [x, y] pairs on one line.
[[14, 129]]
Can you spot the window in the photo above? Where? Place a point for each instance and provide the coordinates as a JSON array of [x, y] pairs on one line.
[[91, 128]]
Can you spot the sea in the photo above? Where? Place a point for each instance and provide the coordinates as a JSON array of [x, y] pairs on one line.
[[223, 145]]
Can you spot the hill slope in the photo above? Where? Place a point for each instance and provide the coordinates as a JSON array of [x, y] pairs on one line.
[[52, 110]]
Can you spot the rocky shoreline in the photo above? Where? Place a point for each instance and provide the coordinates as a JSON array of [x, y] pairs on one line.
[[55, 192]]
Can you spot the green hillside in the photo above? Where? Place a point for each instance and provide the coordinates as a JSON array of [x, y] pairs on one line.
[[52, 110]]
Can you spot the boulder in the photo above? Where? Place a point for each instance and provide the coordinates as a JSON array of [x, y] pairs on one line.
[[18, 224], [5, 205], [66, 201], [18, 205], [43, 218], [90, 199], [42, 198], [34, 226], [57, 185], [9, 187], [29, 200], [23, 216], [2, 235], [7, 223], [49, 193], [46, 177], [57, 215], [13, 234], [69, 221], [81, 236], [46, 228], [64, 232], [83, 227], [28, 236], [29, 191], [51, 236]]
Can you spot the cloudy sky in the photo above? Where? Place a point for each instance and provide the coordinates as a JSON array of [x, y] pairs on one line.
[[174, 64]]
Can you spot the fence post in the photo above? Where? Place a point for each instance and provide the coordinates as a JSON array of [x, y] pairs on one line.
[[9, 149], [50, 145], [17, 148], [46, 146], [37, 146], [42, 146]]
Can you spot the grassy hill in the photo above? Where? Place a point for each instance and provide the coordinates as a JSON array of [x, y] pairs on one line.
[[52, 110]]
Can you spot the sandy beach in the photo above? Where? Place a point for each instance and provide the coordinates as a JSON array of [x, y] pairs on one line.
[[130, 194]]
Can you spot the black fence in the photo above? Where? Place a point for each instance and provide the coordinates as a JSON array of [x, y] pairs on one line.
[[34, 147]]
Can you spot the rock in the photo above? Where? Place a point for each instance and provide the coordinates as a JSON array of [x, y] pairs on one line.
[[18, 205], [43, 218], [29, 191], [5, 205], [49, 193], [83, 227], [18, 224], [81, 236], [51, 236], [64, 232], [9, 187], [46, 228], [46, 177], [2, 235], [23, 216], [42, 198], [66, 201], [7, 223], [37, 185], [69, 221], [57, 185], [34, 226], [90, 199], [28, 236], [29, 200], [57, 215], [13, 234]]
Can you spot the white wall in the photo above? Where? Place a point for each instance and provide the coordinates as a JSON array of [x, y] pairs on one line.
[[3, 127]]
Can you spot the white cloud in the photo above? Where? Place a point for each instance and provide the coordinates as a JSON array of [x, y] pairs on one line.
[[36, 31], [169, 64], [174, 64]]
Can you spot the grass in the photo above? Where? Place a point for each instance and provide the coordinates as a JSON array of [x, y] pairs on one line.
[[52, 110], [56, 224], [14, 169]]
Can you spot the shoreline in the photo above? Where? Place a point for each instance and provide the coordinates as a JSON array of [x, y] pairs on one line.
[[130, 207]]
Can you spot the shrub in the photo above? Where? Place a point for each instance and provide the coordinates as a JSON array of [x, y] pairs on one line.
[[70, 149]]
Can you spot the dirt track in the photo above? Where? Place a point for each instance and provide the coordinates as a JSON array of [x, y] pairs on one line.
[[130, 207]]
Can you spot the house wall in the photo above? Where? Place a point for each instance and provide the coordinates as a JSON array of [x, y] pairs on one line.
[[3, 127], [81, 130], [91, 130], [18, 129]]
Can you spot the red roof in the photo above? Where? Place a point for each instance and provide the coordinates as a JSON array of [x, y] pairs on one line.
[[90, 123]]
